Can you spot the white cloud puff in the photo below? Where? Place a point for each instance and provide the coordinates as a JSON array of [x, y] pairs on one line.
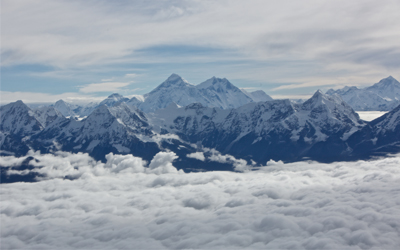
[[118, 163], [162, 163], [73, 166], [238, 164], [303, 205], [197, 155]]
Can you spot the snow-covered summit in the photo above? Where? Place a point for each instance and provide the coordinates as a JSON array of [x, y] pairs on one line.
[[317, 98], [74, 110], [219, 92], [47, 114], [17, 118], [257, 95], [321, 99], [216, 84], [214, 92], [66, 109], [174, 89], [387, 88], [382, 96], [330, 108], [115, 119], [135, 101], [174, 81], [113, 99]]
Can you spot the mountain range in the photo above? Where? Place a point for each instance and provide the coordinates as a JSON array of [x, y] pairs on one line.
[[382, 96], [324, 128], [215, 92]]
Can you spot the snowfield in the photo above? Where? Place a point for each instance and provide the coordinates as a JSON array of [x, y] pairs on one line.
[[128, 203]]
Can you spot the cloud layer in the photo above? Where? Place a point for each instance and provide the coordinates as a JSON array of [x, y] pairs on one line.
[[261, 28], [301, 44], [125, 204]]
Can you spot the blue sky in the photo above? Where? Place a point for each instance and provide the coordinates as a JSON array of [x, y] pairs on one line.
[[83, 51]]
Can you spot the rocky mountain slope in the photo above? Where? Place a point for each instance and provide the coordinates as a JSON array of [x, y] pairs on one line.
[[323, 128], [279, 130], [17, 123]]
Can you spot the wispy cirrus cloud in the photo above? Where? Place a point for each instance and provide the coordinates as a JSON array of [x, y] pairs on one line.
[[103, 87], [39, 97], [324, 82]]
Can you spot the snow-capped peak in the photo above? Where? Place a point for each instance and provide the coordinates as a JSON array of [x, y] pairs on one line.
[[113, 99], [388, 80], [323, 106], [214, 92], [20, 104], [136, 101], [383, 96], [101, 110], [65, 109], [216, 83], [115, 96], [318, 93], [316, 99], [174, 77], [114, 122], [47, 114], [60, 102], [17, 118], [173, 81], [257, 95], [387, 88]]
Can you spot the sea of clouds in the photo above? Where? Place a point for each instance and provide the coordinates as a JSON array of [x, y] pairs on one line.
[[127, 203]]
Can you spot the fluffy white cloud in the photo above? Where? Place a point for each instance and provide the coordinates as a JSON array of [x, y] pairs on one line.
[[73, 166], [303, 205], [197, 155], [118, 163], [162, 163], [238, 164]]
